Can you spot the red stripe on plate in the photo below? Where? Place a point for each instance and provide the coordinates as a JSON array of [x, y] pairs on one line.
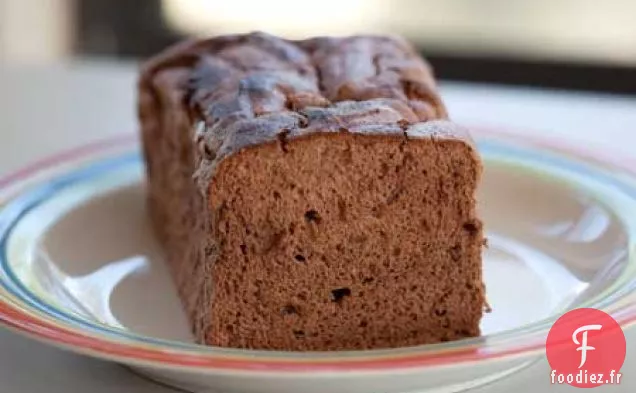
[[65, 156], [100, 347]]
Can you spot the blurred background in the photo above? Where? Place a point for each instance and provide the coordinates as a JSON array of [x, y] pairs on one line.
[[572, 44]]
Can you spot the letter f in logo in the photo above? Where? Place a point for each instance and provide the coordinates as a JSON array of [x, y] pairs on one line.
[[583, 344]]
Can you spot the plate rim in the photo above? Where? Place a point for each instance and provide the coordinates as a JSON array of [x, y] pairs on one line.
[[20, 317]]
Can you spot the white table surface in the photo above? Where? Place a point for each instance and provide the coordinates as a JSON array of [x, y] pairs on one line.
[[45, 109]]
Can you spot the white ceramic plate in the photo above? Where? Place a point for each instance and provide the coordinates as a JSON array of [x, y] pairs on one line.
[[79, 268]]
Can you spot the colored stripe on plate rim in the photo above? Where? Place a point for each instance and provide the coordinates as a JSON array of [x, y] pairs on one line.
[[212, 358]]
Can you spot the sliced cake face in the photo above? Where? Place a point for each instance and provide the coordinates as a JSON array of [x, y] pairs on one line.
[[307, 197], [346, 241]]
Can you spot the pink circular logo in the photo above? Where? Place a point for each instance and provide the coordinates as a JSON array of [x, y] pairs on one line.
[[586, 348]]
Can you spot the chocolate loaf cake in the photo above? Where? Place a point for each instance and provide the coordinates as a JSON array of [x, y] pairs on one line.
[[312, 195]]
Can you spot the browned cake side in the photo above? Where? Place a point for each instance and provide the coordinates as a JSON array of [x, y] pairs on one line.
[[308, 195]]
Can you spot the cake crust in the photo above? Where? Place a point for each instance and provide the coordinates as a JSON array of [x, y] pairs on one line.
[[247, 89], [210, 109]]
